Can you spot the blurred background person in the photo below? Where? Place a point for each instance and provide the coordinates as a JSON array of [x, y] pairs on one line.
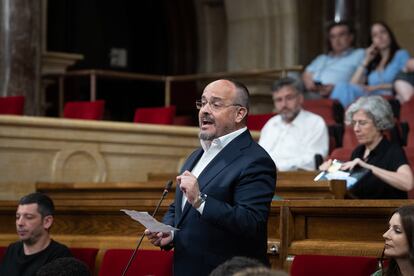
[[34, 218], [294, 136], [337, 65], [390, 176], [404, 84], [381, 64], [67, 266]]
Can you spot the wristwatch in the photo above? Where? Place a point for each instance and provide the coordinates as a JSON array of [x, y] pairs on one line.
[[200, 200]]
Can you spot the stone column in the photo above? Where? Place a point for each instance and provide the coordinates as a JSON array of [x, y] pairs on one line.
[[262, 34], [20, 51]]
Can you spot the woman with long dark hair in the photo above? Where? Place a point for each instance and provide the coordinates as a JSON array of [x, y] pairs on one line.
[[381, 64], [399, 243]]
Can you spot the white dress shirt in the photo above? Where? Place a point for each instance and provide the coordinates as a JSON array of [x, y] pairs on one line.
[[211, 149], [293, 145]]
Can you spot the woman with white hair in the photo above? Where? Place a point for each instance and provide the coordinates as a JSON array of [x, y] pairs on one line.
[[389, 176]]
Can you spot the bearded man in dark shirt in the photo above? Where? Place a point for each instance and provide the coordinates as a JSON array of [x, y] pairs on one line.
[[34, 218]]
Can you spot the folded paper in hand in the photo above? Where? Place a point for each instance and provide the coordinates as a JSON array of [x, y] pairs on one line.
[[334, 172], [148, 221]]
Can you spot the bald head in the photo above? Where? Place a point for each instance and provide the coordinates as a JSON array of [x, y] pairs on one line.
[[224, 108]]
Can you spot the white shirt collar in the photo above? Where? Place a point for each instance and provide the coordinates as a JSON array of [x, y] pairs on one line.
[[222, 141]]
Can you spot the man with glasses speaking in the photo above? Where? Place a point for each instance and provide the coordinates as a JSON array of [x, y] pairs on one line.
[[294, 136], [224, 191]]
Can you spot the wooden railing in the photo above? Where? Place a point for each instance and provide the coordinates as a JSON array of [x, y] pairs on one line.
[[291, 185], [94, 74]]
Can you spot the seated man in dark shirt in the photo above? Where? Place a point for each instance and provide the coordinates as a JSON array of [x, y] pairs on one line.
[[34, 218]]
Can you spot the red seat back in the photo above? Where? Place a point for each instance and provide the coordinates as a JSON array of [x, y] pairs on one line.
[[341, 154], [257, 121], [146, 262], [407, 115], [333, 265], [86, 255], [349, 140], [84, 110], [155, 115], [2, 252], [13, 105], [330, 110]]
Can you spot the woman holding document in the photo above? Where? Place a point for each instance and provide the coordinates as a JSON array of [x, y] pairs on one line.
[[388, 174]]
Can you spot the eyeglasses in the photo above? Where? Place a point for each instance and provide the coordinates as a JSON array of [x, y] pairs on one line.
[[215, 105], [361, 123]]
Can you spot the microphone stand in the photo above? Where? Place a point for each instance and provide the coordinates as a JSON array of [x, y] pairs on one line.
[[164, 194]]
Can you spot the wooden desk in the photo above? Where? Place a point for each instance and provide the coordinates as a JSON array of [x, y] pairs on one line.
[[332, 227]]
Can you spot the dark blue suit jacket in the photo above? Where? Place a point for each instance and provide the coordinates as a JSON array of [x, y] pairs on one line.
[[240, 183]]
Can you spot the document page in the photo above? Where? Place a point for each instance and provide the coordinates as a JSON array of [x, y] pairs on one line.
[[148, 221]]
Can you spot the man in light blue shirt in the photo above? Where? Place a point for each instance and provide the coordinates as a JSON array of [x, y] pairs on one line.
[[338, 65]]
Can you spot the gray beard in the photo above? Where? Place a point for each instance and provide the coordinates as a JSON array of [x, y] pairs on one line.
[[206, 137]]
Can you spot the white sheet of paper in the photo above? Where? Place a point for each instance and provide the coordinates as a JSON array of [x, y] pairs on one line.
[[148, 221]]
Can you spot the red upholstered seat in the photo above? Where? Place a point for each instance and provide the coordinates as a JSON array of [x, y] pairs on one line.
[[257, 121], [304, 265], [84, 110], [330, 110], [146, 262], [155, 115], [86, 255], [13, 105], [407, 115], [2, 252]]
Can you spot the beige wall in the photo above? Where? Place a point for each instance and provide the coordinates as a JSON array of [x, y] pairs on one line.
[[399, 14], [59, 150]]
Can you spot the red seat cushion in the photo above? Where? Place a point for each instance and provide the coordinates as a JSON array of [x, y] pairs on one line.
[[155, 115], [84, 110], [13, 105], [146, 262], [86, 255], [333, 265]]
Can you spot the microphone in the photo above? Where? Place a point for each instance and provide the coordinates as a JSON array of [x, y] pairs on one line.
[[164, 194]]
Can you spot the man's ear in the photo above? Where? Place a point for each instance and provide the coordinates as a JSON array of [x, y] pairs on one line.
[[47, 222], [241, 114]]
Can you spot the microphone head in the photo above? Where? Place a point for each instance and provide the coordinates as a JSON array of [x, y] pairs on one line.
[[167, 187]]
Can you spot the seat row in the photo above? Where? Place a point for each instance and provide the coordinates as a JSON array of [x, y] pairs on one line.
[[94, 110], [341, 136], [160, 263], [113, 261]]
